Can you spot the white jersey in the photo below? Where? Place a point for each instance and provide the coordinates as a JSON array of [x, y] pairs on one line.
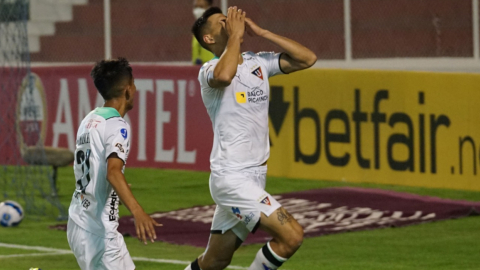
[[94, 205], [239, 112]]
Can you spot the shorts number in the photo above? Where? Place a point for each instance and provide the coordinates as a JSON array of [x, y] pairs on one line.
[[83, 159]]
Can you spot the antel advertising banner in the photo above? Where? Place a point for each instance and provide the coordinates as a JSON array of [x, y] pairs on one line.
[[170, 126], [406, 128]]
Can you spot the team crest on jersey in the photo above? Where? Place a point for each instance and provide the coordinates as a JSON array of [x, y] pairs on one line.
[[258, 72], [123, 131], [266, 201]]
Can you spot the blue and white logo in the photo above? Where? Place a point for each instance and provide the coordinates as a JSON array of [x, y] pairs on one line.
[[123, 131]]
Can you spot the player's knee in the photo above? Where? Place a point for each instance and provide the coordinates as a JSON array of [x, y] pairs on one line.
[[294, 240]]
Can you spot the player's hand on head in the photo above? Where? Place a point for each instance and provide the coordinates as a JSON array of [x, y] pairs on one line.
[[145, 227], [253, 29], [235, 23]]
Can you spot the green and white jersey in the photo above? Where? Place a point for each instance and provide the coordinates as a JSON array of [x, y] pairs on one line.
[[94, 205]]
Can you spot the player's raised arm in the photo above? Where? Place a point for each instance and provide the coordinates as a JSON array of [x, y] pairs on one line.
[[226, 67], [144, 224], [295, 57]]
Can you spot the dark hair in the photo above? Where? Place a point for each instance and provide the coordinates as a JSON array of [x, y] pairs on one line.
[[110, 75], [198, 28]]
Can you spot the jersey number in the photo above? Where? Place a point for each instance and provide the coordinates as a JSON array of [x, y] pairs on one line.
[[83, 159]]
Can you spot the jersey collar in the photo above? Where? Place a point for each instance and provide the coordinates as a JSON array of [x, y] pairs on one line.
[[216, 57], [107, 112]]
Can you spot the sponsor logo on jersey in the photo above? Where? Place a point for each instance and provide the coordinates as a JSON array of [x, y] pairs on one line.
[[241, 97], [257, 96], [236, 212], [113, 204], [120, 146], [258, 72], [266, 201], [123, 131]]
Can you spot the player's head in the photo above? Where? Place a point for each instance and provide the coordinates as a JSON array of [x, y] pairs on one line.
[[209, 30], [114, 80], [200, 6]]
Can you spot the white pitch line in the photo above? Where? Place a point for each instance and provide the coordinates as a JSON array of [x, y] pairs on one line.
[[142, 259], [29, 255], [56, 251], [46, 249]]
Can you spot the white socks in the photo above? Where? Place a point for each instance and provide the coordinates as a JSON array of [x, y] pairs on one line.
[[266, 259]]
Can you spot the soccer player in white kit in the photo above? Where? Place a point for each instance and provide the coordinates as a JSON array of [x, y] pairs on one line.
[[235, 91], [103, 143]]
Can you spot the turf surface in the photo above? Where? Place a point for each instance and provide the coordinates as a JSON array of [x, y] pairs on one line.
[[452, 244]]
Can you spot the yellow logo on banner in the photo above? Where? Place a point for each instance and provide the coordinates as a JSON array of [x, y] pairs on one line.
[[241, 97]]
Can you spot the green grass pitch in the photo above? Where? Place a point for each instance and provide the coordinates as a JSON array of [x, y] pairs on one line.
[[452, 244]]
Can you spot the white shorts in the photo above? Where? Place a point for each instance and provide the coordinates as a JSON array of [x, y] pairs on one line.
[[240, 198], [94, 252]]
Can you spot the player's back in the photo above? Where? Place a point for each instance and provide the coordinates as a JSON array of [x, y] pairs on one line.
[[94, 205]]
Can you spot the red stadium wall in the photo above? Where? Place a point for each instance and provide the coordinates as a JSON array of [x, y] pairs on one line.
[[143, 30], [411, 28], [153, 31]]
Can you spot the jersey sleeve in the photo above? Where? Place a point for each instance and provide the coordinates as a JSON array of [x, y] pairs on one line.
[[117, 139], [271, 61], [206, 74]]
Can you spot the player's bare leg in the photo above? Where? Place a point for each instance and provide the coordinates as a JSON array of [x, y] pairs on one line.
[[219, 252], [287, 238]]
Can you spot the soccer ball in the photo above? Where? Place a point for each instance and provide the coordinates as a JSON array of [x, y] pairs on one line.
[[11, 213]]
